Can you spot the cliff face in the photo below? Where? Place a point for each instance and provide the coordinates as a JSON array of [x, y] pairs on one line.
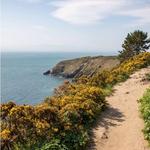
[[84, 66]]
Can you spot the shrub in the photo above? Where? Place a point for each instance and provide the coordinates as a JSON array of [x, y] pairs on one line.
[[147, 76], [54, 144], [145, 110], [25, 126], [120, 73], [65, 117]]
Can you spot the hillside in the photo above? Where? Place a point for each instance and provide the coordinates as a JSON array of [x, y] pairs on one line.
[[84, 66]]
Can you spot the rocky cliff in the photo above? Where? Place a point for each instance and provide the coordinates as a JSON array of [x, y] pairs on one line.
[[84, 66]]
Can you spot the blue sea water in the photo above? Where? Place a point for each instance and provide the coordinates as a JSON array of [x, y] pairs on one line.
[[22, 79]]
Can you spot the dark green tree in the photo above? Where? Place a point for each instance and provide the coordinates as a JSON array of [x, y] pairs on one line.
[[135, 43]]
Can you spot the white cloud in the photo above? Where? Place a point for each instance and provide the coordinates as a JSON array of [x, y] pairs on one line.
[[85, 11], [142, 15], [92, 11]]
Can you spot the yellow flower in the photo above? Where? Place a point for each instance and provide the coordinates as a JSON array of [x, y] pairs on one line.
[[67, 127], [55, 129], [5, 134]]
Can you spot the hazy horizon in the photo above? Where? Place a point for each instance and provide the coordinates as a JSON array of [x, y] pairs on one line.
[[86, 53]]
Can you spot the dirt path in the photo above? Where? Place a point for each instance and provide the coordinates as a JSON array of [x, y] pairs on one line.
[[119, 127]]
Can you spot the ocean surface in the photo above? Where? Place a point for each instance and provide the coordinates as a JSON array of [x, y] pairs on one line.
[[22, 79]]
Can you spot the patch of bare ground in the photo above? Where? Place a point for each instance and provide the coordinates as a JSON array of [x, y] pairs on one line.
[[120, 126]]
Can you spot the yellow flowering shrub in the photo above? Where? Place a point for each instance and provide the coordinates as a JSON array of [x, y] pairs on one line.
[[123, 71], [27, 125], [119, 73]]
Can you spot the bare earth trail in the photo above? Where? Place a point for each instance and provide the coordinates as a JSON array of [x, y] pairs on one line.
[[120, 126]]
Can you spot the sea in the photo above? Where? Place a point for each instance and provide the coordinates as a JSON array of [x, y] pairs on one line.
[[22, 79]]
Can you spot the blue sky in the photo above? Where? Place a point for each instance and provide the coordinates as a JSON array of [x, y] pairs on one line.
[[71, 25]]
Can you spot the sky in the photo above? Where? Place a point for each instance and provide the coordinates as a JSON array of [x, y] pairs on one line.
[[71, 25]]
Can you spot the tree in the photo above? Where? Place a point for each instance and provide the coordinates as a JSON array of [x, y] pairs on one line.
[[135, 43]]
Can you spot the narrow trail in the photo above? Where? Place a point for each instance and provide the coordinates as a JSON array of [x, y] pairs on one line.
[[120, 126]]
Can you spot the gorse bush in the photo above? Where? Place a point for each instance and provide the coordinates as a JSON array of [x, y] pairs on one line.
[[54, 144], [119, 73], [63, 120], [25, 125], [123, 71], [145, 110]]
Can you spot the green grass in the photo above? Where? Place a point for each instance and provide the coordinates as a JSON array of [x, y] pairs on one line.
[[108, 90], [145, 110]]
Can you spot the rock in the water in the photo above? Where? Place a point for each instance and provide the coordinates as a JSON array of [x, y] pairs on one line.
[[47, 72]]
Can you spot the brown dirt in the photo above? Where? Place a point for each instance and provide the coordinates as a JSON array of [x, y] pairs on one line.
[[120, 126]]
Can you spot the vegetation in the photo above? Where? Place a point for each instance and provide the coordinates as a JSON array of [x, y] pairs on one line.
[[148, 76], [145, 110], [62, 121], [134, 44], [118, 74]]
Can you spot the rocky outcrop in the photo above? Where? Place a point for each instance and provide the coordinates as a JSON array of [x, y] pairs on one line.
[[84, 66], [47, 72]]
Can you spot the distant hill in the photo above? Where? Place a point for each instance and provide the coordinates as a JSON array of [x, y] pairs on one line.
[[84, 66]]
